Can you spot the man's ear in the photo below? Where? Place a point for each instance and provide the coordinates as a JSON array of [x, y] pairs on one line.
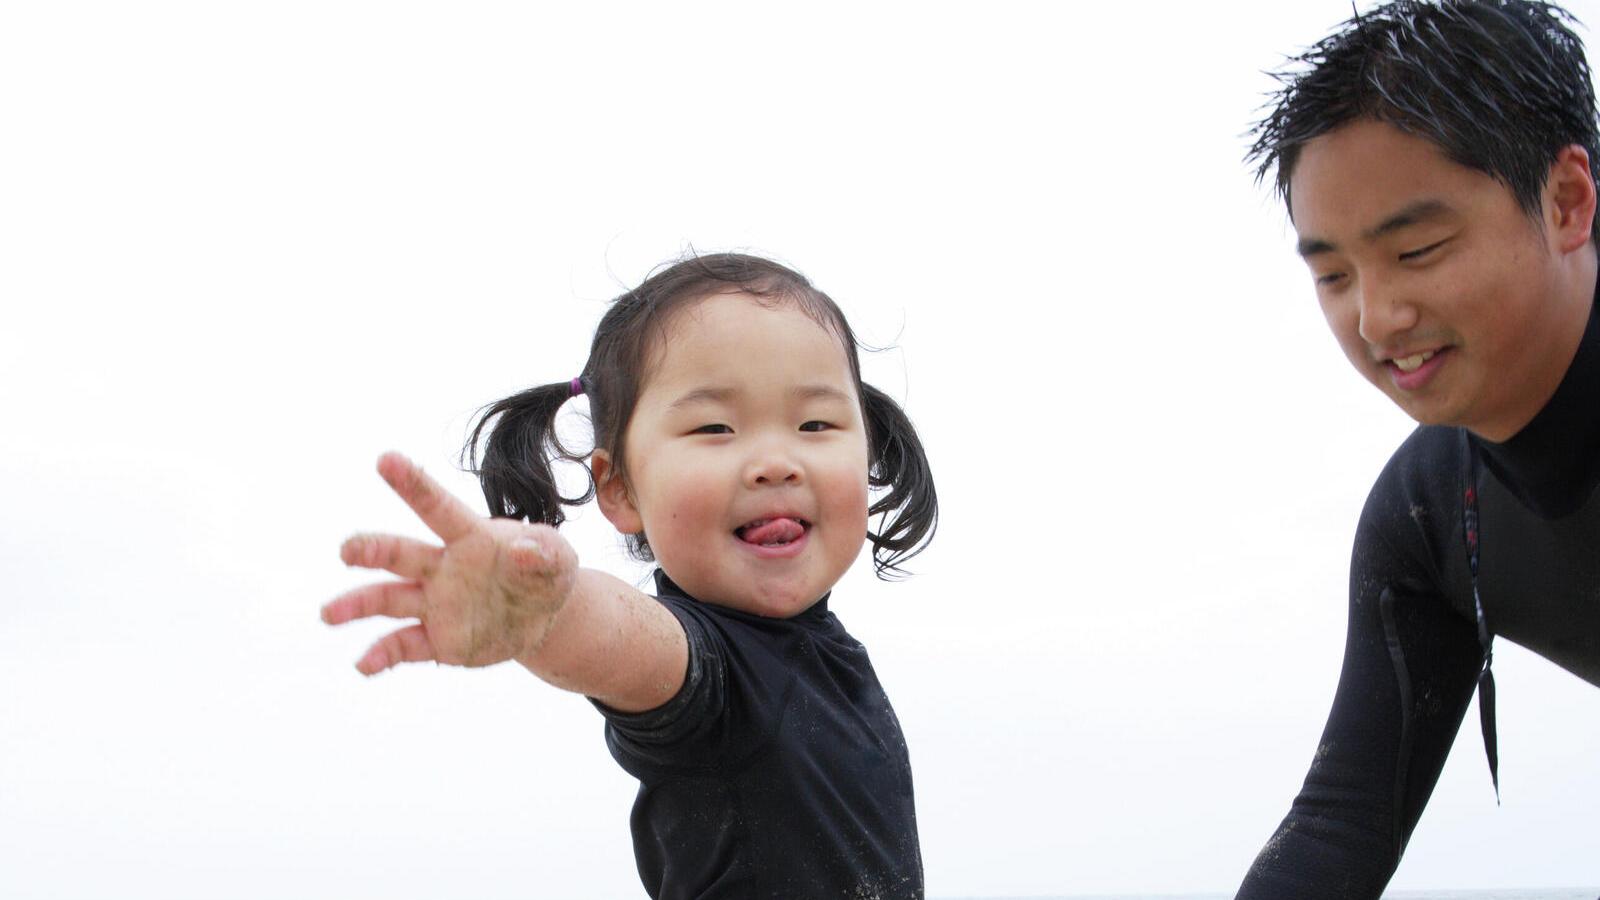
[[611, 492], [1570, 199]]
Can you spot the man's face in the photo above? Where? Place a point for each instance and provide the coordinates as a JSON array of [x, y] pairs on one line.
[[1439, 287]]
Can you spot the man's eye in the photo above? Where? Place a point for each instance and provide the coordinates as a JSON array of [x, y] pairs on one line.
[[1331, 278], [1421, 251], [713, 429], [815, 425]]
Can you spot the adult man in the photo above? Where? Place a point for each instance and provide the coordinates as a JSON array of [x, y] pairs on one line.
[[1439, 165]]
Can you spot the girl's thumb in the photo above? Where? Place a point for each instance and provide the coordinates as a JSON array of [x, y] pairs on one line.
[[528, 554]]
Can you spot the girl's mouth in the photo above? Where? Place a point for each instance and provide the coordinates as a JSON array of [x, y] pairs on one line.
[[775, 532]]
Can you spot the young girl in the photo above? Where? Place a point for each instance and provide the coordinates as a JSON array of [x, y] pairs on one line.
[[735, 445]]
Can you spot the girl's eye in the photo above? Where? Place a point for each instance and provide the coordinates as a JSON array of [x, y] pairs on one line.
[[713, 429], [1421, 251], [815, 425]]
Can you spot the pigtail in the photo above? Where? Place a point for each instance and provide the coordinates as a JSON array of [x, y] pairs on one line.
[[910, 509], [518, 450]]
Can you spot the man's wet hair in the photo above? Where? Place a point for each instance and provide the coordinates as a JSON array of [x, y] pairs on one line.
[[1500, 86]]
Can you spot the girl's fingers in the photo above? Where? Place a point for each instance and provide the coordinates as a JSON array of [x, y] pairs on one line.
[[406, 645], [395, 599], [406, 557], [447, 516]]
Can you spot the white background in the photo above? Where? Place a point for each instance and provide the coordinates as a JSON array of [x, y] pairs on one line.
[[246, 248]]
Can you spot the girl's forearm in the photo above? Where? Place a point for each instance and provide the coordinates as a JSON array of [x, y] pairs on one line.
[[612, 642]]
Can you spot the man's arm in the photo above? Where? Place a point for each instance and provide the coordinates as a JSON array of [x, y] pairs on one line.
[[501, 589], [1410, 665]]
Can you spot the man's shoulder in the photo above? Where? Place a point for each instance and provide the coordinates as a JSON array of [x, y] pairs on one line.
[[1420, 484], [1432, 455]]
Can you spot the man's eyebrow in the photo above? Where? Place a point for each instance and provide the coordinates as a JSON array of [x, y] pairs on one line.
[[1309, 247], [1415, 214]]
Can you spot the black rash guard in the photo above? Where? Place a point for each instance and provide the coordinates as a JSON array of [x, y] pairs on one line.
[[778, 770], [1413, 653]]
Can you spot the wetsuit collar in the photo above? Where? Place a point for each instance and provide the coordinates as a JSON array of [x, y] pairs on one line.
[[665, 585], [1553, 463]]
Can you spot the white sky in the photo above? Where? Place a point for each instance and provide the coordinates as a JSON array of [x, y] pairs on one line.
[[246, 248]]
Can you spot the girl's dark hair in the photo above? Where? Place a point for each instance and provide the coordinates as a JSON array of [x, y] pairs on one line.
[[1501, 86], [518, 434]]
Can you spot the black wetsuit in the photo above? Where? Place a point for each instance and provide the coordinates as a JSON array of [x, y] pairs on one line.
[[778, 770], [1414, 652]]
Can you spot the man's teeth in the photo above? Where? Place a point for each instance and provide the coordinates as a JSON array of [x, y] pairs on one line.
[[1413, 363]]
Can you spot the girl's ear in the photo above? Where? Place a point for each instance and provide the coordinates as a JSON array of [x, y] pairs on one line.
[[612, 494]]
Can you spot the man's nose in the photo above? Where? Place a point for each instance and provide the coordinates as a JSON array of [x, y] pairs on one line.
[[1385, 311]]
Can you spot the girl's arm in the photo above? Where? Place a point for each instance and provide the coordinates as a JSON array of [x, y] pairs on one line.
[[614, 643], [502, 589]]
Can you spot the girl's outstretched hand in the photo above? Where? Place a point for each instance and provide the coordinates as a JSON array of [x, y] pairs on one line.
[[489, 594]]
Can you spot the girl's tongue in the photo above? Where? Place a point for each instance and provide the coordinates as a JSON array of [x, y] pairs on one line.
[[772, 531]]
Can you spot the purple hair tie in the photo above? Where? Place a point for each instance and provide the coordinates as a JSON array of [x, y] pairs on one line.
[[577, 386]]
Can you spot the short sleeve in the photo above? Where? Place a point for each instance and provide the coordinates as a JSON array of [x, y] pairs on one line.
[[684, 726], [735, 694]]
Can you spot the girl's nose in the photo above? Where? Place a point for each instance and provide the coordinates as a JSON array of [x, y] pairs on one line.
[[771, 466]]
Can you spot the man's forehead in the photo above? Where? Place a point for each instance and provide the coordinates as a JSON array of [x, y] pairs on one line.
[[1367, 179]]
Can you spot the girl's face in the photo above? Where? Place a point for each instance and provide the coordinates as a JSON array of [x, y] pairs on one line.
[[747, 457]]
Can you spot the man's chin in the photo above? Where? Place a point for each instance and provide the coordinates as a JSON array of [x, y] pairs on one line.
[[1424, 413]]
